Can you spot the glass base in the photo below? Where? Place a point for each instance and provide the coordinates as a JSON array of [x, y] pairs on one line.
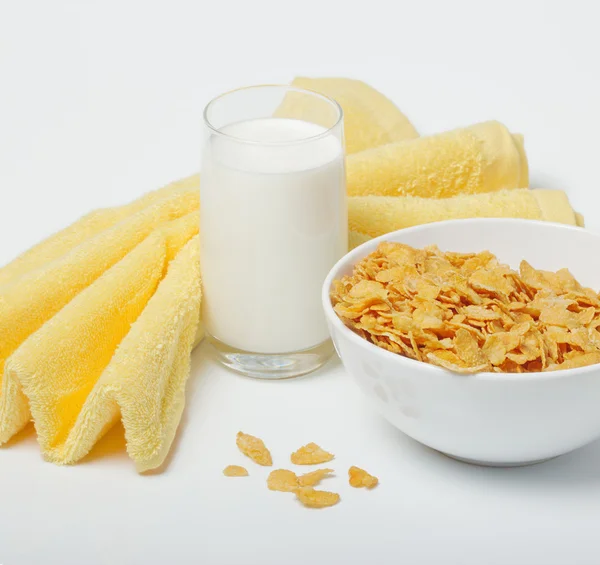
[[272, 365]]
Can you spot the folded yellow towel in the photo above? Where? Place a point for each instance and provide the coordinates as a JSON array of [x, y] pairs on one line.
[[481, 158], [356, 238], [370, 119], [36, 295], [90, 225], [77, 386], [372, 216]]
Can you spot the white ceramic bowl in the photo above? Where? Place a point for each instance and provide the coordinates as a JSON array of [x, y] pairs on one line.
[[489, 418]]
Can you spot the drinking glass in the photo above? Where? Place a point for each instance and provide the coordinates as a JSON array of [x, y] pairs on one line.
[[273, 221]]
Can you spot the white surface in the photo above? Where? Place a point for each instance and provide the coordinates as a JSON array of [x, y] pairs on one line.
[[101, 101], [506, 419], [273, 215]]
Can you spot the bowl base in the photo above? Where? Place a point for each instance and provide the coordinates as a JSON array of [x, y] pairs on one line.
[[499, 464]]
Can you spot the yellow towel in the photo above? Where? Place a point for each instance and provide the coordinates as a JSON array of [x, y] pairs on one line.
[[370, 119], [46, 284], [356, 238], [372, 216], [481, 158], [97, 221], [30, 298], [77, 386]]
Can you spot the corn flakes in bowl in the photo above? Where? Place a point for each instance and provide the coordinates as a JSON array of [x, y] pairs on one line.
[[479, 338]]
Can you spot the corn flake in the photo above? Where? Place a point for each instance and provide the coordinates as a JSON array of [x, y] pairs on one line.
[[579, 361], [311, 454], [254, 448], [282, 480], [235, 471], [467, 312], [360, 478], [314, 477], [468, 349], [316, 498], [453, 362]]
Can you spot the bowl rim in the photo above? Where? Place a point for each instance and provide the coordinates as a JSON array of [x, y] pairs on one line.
[[365, 248]]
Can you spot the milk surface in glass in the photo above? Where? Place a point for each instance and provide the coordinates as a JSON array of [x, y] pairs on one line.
[[274, 221]]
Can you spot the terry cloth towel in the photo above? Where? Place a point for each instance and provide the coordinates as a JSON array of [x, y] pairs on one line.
[[372, 216], [86, 368], [90, 225], [481, 158], [53, 298], [370, 119]]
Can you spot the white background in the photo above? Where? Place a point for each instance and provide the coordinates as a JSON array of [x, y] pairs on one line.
[[102, 101]]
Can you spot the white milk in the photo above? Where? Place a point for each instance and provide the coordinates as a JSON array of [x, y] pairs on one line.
[[273, 221]]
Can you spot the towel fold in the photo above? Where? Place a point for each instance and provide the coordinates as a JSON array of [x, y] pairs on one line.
[[98, 287], [372, 216], [481, 158], [89, 226], [370, 119], [86, 367], [32, 296]]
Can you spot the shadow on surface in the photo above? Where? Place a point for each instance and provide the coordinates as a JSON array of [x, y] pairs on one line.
[[577, 470], [111, 445]]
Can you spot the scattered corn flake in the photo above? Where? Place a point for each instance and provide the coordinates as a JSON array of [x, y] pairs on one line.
[[254, 448], [316, 498], [235, 471], [360, 478], [467, 312], [311, 454], [314, 477], [282, 480]]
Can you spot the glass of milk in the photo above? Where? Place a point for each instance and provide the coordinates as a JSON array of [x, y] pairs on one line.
[[273, 221]]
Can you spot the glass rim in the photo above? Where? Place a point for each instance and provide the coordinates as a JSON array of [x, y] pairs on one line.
[[326, 132]]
